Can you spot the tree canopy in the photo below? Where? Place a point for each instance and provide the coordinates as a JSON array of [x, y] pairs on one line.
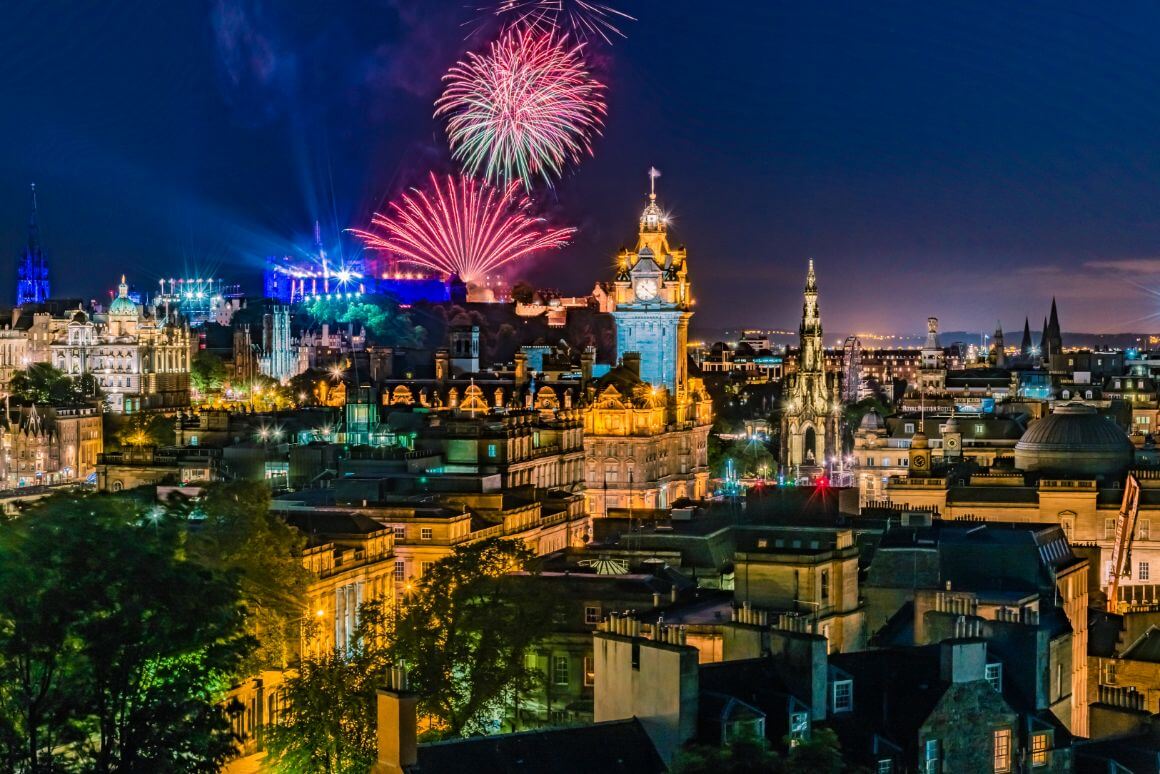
[[115, 648], [44, 383], [237, 535], [207, 373], [384, 320]]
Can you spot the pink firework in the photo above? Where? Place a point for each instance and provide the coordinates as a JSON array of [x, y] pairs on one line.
[[584, 19], [459, 226], [524, 109]]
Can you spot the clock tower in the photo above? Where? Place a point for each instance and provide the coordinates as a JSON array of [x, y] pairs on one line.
[[653, 301]]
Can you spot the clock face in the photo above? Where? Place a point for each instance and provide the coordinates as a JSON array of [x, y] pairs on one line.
[[952, 443], [919, 462], [646, 289]]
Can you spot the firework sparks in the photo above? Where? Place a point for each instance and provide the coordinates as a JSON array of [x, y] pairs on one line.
[[585, 20], [459, 226], [522, 110]]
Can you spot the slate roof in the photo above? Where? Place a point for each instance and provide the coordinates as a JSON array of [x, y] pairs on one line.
[[619, 746], [1145, 648]]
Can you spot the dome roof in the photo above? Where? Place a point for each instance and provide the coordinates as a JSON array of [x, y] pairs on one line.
[[1074, 439], [872, 420], [123, 305]]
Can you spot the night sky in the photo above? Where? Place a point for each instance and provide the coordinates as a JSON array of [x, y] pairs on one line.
[[966, 160]]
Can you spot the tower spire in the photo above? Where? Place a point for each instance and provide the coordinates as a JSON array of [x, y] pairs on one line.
[[811, 278], [33, 226], [653, 174]]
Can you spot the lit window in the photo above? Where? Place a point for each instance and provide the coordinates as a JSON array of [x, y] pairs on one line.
[[1039, 749], [908, 427], [980, 429], [560, 670], [994, 674], [825, 584], [426, 533], [1002, 750], [1144, 572], [1144, 529], [400, 570], [400, 532], [1109, 529], [885, 766], [592, 615], [491, 451], [843, 695], [930, 756], [589, 671]]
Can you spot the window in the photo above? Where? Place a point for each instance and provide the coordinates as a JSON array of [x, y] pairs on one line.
[[1002, 750], [1039, 749], [1144, 529], [491, 451], [1066, 394], [426, 533], [589, 671], [1109, 529], [930, 756], [905, 461], [1088, 395], [762, 543], [799, 728], [1144, 571], [400, 532], [825, 584], [559, 670], [885, 766], [592, 615], [400, 570], [843, 695], [870, 462], [994, 675], [908, 427], [980, 429], [427, 567]]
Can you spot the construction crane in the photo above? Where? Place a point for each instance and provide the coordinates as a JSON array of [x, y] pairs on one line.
[[1122, 547]]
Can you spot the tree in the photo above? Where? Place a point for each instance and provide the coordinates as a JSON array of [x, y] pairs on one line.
[[207, 373], [237, 535], [115, 649], [820, 754], [464, 632], [43, 383], [746, 755], [381, 315], [330, 719], [142, 429]]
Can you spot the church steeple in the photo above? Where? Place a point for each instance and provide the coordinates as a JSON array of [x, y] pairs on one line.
[[1026, 346], [809, 418], [32, 271]]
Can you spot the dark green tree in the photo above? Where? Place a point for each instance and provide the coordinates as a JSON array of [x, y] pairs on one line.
[[44, 383], [237, 535], [115, 649], [142, 429], [464, 632], [745, 755], [385, 321], [207, 373], [329, 723]]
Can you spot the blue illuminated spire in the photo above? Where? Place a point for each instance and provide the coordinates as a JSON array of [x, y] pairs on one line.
[[32, 271]]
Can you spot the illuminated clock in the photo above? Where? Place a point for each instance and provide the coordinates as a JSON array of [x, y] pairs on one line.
[[920, 462], [646, 288], [951, 443]]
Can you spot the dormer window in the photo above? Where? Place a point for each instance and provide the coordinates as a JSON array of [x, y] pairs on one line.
[[842, 695]]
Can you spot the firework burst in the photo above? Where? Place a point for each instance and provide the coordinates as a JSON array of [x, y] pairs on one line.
[[585, 20], [522, 110], [459, 226]]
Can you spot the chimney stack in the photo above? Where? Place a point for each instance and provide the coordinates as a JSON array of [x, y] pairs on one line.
[[398, 747], [631, 361], [587, 360]]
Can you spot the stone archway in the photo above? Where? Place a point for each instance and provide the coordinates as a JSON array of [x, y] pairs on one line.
[[809, 445]]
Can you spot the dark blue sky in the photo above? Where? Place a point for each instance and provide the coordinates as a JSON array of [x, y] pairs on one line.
[[967, 160]]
